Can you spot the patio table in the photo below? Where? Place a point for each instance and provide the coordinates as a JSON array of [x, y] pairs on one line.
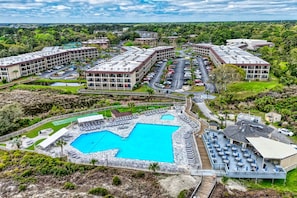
[[235, 154], [227, 152], [237, 158], [240, 164], [226, 161], [250, 160], [233, 148], [246, 155], [221, 153]]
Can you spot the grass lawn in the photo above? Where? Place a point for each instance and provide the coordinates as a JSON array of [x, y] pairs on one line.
[[32, 147], [34, 132], [142, 88], [289, 186], [197, 89], [137, 109], [2, 144], [72, 119], [245, 89], [60, 89]]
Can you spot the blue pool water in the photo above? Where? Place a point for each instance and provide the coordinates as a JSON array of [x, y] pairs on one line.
[[146, 142], [167, 117]]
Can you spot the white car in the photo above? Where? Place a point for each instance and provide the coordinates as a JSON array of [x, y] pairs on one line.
[[285, 132]]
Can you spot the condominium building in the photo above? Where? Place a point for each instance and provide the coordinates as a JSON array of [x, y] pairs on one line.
[[250, 44], [146, 41], [31, 63], [125, 70], [255, 67], [103, 42]]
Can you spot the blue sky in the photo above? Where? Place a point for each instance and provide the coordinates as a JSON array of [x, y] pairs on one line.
[[102, 11]]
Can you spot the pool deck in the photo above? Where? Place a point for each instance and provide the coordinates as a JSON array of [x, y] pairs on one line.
[[186, 155]]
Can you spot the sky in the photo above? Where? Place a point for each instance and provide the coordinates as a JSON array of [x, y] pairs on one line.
[[134, 11]]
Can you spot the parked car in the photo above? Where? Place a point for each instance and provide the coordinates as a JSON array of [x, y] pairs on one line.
[[285, 132]]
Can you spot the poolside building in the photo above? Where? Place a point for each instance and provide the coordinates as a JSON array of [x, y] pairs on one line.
[[122, 72], [32, 63], [275, 152], [255, 67], [243, 129]]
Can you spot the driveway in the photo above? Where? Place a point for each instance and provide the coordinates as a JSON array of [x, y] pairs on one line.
[[178, 77], [208, 86]]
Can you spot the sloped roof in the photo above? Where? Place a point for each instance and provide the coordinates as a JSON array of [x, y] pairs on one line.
[[271, 149], [244, 129]]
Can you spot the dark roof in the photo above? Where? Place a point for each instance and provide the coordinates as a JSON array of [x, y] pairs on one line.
[[117, 114], [243, 129]]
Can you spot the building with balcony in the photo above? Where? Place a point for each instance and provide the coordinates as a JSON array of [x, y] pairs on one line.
[[122, 72], [250, 44], [255, 67], [103, 43], [32, 63], [146, 41]]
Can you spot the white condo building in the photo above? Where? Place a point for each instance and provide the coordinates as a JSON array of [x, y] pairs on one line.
[[125, 70], [32, 63]]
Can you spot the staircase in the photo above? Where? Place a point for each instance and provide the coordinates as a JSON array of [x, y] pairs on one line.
[[206, 187]]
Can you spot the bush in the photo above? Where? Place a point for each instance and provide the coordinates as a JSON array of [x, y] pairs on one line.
[[22, 187], [224, 179], [116, 181], [182, 194], [108, 196], [27, 173], [69, 186], [139, 174], [98, 191]]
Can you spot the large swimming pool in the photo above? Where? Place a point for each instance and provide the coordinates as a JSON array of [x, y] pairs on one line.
[[150, 142]]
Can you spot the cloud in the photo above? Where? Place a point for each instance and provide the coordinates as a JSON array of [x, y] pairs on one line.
[[149, 10]]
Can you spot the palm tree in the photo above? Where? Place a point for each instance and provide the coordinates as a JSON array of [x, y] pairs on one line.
[[61, 143], [154, 167], [131, 105], [150, 92], [93, 161]]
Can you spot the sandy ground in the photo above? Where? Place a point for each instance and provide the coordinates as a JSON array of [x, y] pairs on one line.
[[177, 183]]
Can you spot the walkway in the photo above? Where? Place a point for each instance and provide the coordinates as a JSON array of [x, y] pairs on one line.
[[207, 185], [203, 153]]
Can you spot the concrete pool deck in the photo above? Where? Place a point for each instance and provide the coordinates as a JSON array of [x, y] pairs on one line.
[[182, 140]]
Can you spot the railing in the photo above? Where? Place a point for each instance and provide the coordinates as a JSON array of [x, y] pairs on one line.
[[213, 187], [129, 93], [244, 174], [22, 131], [196, 189]]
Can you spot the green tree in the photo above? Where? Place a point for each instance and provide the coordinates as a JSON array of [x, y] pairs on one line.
[[154, 167], [93, 161], [150, 92], [61, 143], [131, 106], [9, 117]]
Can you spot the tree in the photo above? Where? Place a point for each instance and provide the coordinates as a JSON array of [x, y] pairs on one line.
[[154, 167], [93, 161], [131, 106], [150, 92], [61, 143], [225, 74], [9, 117]]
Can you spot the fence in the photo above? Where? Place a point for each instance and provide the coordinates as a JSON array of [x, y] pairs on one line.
[[22, 131]]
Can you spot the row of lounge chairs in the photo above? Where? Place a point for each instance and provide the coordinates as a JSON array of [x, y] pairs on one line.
[[155, 111], [73, 154], [124, 118], [89, 126], [189, 121], [191, 152], [117, 123]]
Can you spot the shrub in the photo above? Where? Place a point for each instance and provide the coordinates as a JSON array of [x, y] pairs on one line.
[[22, 187], [69, 186], [224, 179], [182, 194], [116, 181], [101, 168], [98, 191], [139, 174], [27, 173], [108, 196]]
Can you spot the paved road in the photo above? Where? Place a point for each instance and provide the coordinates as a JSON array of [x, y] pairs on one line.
[[209, 86], [178, 77], [157, 77]]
